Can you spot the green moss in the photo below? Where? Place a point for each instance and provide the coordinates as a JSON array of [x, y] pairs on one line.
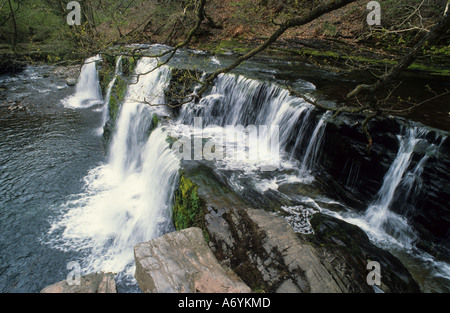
[[324, 57], [154, 123], [106, 74], [116, 98], [128, 65], [188, 209], [429, 69], [182, 82], [230, 44], [155, 120]]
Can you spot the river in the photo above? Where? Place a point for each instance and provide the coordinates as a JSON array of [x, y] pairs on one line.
[[64, 198]]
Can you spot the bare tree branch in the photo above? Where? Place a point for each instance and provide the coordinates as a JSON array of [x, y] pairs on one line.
[[292, 22], [441, 27]]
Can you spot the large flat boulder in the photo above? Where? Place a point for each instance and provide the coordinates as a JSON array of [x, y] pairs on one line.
[[182, 262]]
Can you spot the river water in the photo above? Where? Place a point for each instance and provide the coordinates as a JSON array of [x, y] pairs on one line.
[[46, 150], [65, 199]]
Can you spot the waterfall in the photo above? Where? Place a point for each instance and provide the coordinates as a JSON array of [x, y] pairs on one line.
[[313, 149], [135, 117], [235, 100], [87, 90], [380, 219], [105, 109], [128, 199]]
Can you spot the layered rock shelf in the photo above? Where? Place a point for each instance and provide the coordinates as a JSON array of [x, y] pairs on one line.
[[261, 249]]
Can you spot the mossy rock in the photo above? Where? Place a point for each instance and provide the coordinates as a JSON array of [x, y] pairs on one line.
[[182, 83], [155, 122], [188, 207], [106, 72], [128, 65], [117, 96]]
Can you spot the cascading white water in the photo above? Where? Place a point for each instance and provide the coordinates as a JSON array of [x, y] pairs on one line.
[[378, 216], [313, 149], [127, 200], [87, 90], [239, 101], [135, 116]]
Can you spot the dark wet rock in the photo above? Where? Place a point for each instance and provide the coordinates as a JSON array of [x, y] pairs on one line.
[[346, 251], [264, 251], [10, 64], [349, 172]]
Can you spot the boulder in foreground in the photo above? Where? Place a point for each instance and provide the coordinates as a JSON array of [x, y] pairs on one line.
[[183, 262]]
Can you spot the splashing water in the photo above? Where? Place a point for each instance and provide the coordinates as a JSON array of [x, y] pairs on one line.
[[87, 90], [380, 219], [127, 200]]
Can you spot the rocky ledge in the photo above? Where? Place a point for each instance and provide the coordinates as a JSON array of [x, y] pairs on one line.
[[261, 248], [182, 262]]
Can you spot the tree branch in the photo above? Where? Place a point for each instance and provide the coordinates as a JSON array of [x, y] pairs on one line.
[[441, 27], [293, 22]]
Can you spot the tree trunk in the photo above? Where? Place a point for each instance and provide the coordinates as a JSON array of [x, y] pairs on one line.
[[440, 29], [13, 18]]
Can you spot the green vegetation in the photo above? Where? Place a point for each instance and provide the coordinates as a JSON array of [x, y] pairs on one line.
[[153, 124], [117, 96], [182, 83], [231, 45], [37, 30], [187, 204], [128, 65], [187, 209], [155, 120], [119, 89]]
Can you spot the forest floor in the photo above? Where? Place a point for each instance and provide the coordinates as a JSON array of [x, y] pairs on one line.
[[338, 41]]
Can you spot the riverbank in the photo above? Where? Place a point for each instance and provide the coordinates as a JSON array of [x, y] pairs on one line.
[[339, 41]]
